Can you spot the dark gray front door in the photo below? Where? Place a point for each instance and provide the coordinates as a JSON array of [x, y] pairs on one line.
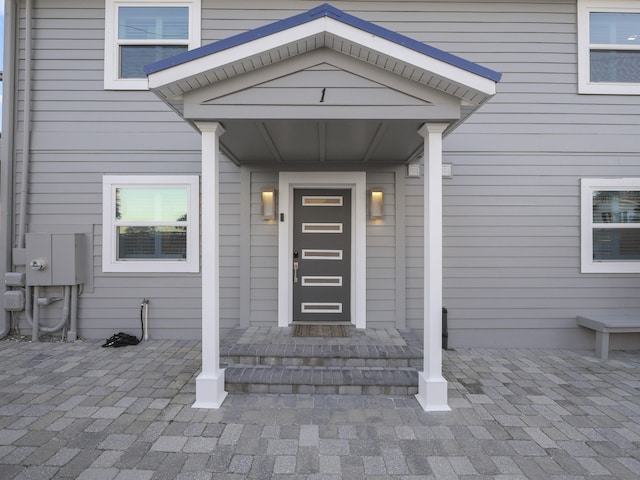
[[322, 255]]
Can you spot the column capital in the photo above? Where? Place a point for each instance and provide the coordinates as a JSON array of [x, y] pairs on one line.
[[215, 127], [428, 128]]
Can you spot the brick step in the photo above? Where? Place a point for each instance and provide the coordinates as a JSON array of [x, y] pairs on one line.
[[293, 355], [321, 380]]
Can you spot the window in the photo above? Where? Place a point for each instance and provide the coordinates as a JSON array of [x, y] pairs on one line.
[[151, 224], [140, 32], [610, 225], [609, 46]]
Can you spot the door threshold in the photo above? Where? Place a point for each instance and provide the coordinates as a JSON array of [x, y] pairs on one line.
[[319, 322]]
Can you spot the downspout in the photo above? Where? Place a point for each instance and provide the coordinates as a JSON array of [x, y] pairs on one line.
[[7, 150], [26, 139]]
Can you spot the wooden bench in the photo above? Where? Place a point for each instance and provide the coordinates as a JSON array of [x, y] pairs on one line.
[[604, 325]]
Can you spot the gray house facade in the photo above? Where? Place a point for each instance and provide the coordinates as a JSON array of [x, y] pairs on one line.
[[262, 163]]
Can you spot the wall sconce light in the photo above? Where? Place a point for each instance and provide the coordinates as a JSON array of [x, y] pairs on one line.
[[376, 203], [269, 203]]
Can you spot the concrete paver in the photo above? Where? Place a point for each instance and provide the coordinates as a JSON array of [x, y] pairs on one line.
[[79, 411]]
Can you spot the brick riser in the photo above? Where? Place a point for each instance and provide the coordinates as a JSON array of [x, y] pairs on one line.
[[324, 380], [322, 369]]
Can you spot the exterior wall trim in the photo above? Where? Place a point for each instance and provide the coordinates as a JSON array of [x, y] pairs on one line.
[[210, 391], [432, 386], [356, 181]]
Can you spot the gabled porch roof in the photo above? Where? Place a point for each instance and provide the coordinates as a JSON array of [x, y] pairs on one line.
[[425, 75]]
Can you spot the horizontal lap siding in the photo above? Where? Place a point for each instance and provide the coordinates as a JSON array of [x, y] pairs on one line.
[[81, 132], [381, 251], [263, 253], [511, 211]]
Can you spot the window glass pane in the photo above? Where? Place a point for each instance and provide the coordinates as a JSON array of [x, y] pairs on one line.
[[614, 28], [153, 23], [615, 66], [151, 204], [133, 58], [616, 206], [616, 244], [152, 243]]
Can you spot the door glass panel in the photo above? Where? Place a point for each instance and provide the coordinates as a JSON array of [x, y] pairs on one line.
[[319, 307], [322, 228], [316, 281], [321, 201], [308, 254]]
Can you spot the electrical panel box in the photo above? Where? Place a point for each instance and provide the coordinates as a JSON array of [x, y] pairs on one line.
[[14, 279], [13, 300], [54, 259]]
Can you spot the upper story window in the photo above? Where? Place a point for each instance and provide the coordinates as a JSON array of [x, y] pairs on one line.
[[151, 223], [609, 46], [140, 32], [610, 225]]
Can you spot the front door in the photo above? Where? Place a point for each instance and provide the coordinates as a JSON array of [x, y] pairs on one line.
[[322, 255]]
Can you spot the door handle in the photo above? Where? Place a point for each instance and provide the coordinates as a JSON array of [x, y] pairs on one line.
[[295, 272]]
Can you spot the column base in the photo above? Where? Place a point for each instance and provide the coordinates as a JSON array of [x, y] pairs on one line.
[[210, 391], [432, 393]]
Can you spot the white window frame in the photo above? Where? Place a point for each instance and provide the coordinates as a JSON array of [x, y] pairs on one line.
[[112, 46], [110, 262], [587, 187], [585, 7]]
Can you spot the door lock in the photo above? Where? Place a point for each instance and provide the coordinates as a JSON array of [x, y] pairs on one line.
[[295, 272]]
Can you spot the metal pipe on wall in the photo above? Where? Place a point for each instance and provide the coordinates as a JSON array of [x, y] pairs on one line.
[[32, 310], [26, 139], [7, 152], [35, 326], [72, 334]]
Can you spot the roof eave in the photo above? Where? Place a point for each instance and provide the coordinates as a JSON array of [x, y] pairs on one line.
[[323, 19]]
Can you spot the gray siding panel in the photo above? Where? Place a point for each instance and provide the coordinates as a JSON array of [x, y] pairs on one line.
[[81, 132], [263, 253], [381, 255]]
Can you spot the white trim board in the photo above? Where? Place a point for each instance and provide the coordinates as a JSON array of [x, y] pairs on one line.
[[318, 28], [357, 182]]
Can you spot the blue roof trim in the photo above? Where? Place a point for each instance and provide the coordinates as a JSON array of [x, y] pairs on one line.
[[324, 10]]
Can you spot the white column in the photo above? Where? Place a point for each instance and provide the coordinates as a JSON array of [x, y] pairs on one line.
[[210, 391], [432, 387]]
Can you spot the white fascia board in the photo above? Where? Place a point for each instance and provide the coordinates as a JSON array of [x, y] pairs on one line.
[[235, 54], [315, 27], [411, 57]]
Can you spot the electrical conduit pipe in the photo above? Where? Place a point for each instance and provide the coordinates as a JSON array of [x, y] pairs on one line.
[[32, 311], [8, 150]]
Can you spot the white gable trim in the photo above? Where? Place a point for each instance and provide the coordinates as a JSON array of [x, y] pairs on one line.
[[321, 27]]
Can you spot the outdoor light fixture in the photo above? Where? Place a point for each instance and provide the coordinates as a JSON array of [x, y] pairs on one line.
[[376, 203], [269, 203]]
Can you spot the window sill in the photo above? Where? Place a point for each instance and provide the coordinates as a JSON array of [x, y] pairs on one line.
[[609, 89], [151, 267], [127, 84], [611, 267]]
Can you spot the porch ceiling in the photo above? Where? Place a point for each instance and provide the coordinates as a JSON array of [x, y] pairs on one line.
[[311, 143]]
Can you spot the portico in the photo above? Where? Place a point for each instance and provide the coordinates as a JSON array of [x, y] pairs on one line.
[[322, 98]]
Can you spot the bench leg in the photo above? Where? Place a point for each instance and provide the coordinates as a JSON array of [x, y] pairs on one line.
[[602, 345]]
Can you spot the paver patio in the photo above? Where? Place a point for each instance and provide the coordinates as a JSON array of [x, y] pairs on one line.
[[76, 410]]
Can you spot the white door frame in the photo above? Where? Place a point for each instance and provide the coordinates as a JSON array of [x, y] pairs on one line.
[[357, 183]]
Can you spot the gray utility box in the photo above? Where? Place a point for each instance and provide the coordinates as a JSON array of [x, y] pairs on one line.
[[54, 259], [13, 300]]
